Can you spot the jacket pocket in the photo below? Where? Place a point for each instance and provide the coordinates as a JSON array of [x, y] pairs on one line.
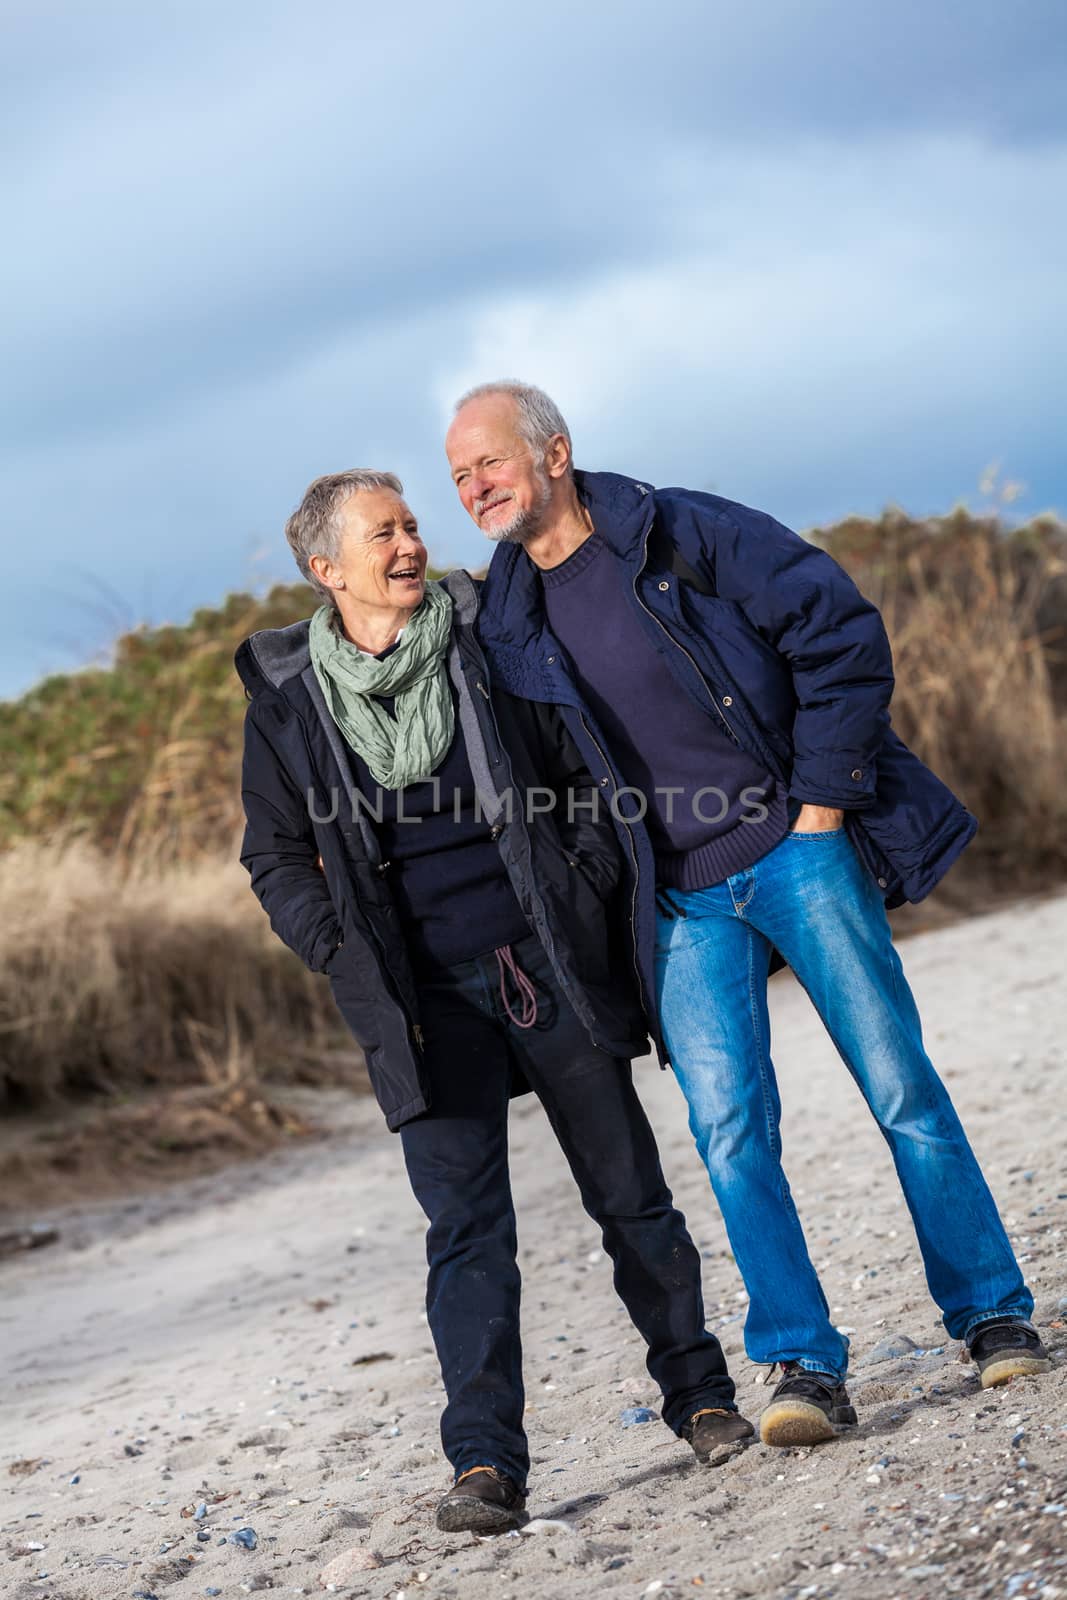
[[354, 991], [600, 872]]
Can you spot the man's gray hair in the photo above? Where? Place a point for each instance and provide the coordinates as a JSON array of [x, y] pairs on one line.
[[539, 416], [314, 529]]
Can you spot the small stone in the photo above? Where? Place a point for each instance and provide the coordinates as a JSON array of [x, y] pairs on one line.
[[264, 1439], [347, 1564], [201, 1512], [247, 1537], [634, 1417], [212, 1590], [546, 1525], [890, 1349], [77, 1478]]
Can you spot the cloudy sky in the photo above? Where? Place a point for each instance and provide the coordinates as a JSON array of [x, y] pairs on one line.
[[811, 255]]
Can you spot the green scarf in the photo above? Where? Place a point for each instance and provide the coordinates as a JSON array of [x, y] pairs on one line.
[[404, 748]]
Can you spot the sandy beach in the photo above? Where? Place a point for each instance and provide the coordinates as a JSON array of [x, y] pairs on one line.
[[248, 1351]]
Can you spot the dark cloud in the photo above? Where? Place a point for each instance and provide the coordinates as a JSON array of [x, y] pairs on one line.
[[251, 243]]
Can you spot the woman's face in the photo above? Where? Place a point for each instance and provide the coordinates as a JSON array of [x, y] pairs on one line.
[[381, 560]]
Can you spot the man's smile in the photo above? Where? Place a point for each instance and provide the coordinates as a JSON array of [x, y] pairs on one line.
[[485, 506]]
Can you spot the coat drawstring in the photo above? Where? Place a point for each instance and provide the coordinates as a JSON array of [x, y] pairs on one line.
[[507, 965]]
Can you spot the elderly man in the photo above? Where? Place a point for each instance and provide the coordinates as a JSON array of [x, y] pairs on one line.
[[729, 689], [429, 845]]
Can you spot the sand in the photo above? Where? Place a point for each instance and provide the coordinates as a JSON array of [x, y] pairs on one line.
[[253, 1343]]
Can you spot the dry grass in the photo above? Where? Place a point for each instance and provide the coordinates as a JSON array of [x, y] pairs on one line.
[[978, 623], [118, 976], [141, 958]]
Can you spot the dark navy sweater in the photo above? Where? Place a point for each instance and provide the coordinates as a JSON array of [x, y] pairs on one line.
[[727, 811], [452, 893]]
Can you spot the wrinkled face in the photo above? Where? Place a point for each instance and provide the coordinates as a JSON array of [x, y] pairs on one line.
[[502, 483], [381, 560]]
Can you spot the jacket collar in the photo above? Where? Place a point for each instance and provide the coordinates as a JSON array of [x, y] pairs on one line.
[[621, 508], [511, 621]]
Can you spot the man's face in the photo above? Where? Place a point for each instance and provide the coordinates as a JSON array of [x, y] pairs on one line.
[[502, 483], [380, 556]]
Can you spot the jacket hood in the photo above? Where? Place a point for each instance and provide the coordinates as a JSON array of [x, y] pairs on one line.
[[271, 657]]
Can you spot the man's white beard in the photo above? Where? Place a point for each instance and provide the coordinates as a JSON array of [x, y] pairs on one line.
[[525, 523]]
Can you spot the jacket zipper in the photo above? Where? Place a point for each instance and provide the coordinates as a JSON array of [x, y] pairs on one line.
[[637, 870], [498, 828], [494, 748], [667, 633]]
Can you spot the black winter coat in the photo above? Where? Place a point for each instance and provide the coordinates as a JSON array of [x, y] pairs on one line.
[[563, 862]]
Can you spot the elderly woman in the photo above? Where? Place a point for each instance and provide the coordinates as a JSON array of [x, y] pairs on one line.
[[435, 849]]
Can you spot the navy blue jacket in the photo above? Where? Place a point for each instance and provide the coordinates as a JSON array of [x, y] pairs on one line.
[[316, 865], [774, 640]]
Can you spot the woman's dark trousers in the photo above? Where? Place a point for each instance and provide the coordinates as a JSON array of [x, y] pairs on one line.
[[457, 1160]]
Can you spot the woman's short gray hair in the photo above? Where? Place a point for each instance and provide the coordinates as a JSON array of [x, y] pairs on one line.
[[314, 529], [540, 419]]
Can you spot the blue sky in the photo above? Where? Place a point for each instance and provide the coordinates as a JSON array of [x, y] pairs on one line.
[[811, 256]]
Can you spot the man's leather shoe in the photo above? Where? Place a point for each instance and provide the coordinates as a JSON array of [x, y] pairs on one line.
[[1003, 1348], [806, 1408], [716, 1435], [482, 1500]]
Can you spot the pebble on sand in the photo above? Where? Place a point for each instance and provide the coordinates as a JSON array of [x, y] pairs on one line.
[[634, 1416], [247, 1537], [892, 1348], [347, 1564]]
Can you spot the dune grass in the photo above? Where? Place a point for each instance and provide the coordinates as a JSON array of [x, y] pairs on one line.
[[133, 953], [978, 623], [116, 976]]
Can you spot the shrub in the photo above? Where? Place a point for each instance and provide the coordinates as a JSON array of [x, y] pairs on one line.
[[978, 622], [114, 977]]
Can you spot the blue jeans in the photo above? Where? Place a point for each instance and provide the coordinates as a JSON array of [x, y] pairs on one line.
[[811, 898], [457, 1161]]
